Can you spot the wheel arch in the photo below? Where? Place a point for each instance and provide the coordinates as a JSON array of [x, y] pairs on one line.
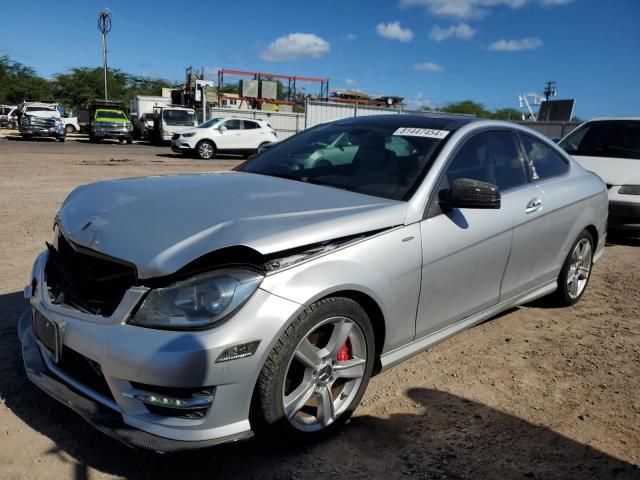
[[374, 312], [594, 233]]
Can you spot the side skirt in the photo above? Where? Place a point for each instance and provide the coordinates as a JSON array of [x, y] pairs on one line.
[[400, 354]]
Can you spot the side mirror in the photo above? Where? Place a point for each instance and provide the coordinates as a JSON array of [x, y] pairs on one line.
[[556, 140], [468, 193], [264, 147], [222, 128]]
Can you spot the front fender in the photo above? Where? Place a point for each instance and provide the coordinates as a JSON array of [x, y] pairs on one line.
[[385, 267]]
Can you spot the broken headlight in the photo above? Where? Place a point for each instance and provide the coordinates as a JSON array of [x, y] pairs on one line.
[[199, 302]]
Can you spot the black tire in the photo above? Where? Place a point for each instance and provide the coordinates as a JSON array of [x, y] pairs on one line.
[[268, 412], [203, 147], [69, 129], [562, 297], [61, 139], [129, 141]]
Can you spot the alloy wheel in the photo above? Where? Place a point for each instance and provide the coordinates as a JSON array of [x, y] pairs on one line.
[[324, 374], [205, 150], [579, 268]]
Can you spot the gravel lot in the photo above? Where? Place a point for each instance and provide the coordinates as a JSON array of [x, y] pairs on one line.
[[535, 393]]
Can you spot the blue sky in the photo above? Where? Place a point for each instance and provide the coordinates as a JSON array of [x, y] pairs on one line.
[[429, 51]]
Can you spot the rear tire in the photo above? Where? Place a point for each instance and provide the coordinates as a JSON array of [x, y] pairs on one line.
[[317, 372], [576, 271], [206, 150]]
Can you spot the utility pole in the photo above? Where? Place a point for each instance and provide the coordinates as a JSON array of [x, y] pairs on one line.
[[549, 90], [104, 26]]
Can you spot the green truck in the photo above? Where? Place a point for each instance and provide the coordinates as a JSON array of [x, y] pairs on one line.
[[110, 123]]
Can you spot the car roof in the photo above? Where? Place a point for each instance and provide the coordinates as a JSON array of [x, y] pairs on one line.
[[609, 119], [435, 121], [109, 110]]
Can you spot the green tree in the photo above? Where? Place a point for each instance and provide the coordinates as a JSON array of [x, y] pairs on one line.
[[83, 84], [507, 114], [467, 107], [19, 83]]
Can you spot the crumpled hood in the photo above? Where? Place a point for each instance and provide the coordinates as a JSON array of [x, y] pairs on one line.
[[162, 223], [614, 171], [44, 114]]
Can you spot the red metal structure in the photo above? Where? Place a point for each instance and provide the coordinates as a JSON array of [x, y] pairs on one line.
[[292, 91]]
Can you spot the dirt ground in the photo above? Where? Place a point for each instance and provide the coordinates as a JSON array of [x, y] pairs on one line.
[[534, 393]]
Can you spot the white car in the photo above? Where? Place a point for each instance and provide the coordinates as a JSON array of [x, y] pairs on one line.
[[71, 125], [224, 135], [610, 147]]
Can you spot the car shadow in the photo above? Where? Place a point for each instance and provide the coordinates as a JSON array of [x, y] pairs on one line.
[[18, 138], [193, 157], [441, 436], [623, 239]]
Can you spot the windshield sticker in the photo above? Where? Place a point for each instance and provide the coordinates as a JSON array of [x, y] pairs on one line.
[[421, 132]]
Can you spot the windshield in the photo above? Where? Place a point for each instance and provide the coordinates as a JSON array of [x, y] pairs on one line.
[[179, 117], [209, 123], [373, 160], [111, 115], [613, 138]]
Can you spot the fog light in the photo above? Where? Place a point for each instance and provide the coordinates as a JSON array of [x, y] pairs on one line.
[[198, 402], [238, 351]]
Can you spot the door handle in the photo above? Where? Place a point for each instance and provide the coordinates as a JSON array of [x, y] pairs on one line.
[[534, 205]]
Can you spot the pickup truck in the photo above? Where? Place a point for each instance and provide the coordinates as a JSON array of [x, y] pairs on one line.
[[110, 123], [41, 120]]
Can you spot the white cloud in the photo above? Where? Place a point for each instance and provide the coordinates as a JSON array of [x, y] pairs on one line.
[[462, 31], [295, 46], [394, 31], [467, 9], [350, 82], [428, 67], [418, 102], [530, 43], [351, 36]]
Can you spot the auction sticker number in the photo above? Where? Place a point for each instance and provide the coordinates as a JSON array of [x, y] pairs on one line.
[[421, 132]]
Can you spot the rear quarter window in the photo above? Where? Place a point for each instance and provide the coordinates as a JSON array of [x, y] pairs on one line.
[[545, 161]]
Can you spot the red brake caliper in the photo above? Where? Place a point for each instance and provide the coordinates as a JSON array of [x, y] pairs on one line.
[[343, 354]]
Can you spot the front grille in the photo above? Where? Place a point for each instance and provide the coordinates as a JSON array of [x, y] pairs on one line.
[[44, 122], [86, 280], [84, 371]]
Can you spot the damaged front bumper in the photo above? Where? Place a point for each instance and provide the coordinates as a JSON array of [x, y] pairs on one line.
[[107, 370]]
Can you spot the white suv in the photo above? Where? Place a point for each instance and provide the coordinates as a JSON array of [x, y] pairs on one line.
[[224, 135]]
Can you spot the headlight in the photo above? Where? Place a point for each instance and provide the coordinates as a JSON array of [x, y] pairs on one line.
[[26, 120], [629, 190], [187, 135], [199, 302], [129, 126]]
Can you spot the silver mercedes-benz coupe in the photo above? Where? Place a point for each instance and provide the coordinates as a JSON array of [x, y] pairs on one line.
[[177, 312]]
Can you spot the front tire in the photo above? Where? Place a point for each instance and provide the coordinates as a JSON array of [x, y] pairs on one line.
[[317, 372], [576, 271], [206, 150], [69, 129]]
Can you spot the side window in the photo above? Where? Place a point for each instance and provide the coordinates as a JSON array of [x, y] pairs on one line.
[[491, 157], [546, 163], [249, 125], [232, 124]]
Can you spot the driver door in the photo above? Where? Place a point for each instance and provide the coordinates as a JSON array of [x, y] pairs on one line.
[[231, 136], [466, 250]]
